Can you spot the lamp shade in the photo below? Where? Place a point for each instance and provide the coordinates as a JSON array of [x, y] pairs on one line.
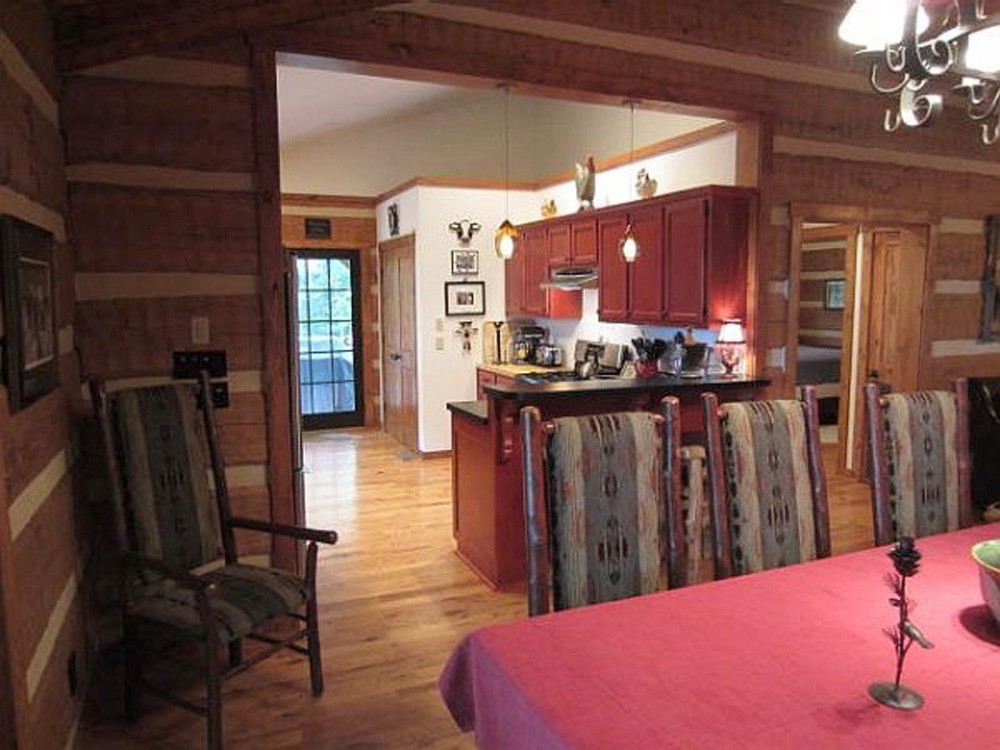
[[731, 332], [504, 240]]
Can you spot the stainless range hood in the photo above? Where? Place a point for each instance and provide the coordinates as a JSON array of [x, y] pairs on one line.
[[571, 279]]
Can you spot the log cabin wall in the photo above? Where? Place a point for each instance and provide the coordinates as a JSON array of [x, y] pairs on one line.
[[824, 253], [162, 176], [352, 222], [44, 656]]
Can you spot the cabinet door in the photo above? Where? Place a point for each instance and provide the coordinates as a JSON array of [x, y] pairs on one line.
[[559, 245], [684, 229], [583, 242], [646, 272], [612, 283], [536, 271], [514, 270]]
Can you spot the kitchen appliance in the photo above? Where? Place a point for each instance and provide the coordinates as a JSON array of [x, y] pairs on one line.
[[525, 342], [571, 279], [549, 355], [591, 359]]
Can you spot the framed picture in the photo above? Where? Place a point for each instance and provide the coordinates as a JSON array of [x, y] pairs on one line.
[[30, 362], [464, 262], [464, 298], [834, 298]]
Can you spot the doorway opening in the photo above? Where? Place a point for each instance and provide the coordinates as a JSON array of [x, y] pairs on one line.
[[856, 297], [327, 304]]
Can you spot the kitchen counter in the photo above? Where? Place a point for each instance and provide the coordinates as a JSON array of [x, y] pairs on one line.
[[475, 410], [669, 384], [513, 370], [487, 474]]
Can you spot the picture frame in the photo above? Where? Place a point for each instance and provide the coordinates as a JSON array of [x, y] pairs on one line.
[[833, 298], [465, 298], [30, 362], [464, 262]]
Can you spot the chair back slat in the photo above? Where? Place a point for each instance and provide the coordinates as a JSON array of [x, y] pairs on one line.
[[607, 521], [696, 514], [767, 485], [166, 502], [919, 453]]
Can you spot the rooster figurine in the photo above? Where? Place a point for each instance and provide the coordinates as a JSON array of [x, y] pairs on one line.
[[585, 183]]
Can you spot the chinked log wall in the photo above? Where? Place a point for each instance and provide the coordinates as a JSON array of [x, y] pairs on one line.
[[41, 561], [162, 171]]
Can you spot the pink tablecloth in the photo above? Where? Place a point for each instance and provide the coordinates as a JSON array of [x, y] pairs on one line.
[[775, 660]]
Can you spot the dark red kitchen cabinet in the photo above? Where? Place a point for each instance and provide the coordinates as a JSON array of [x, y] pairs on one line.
[[514, 282], [646, 271], [731, 216], [560, 245], [583, 242], [612, 282], [684, 256], [536, 270]]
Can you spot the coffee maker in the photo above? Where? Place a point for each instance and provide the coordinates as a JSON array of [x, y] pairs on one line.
[[524, 342]]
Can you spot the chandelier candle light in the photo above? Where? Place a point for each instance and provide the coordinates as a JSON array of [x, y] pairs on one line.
[[918, 49]]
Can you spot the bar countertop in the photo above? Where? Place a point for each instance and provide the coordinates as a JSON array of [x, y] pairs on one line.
[[478, 411], [598, 386]]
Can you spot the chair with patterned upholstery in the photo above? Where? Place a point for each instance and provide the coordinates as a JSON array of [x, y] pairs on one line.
[[766, 483], [175, 531], [918, 445], [602, 506]]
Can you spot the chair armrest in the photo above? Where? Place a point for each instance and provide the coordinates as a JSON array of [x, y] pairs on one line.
[[280, 529], [181, 577]]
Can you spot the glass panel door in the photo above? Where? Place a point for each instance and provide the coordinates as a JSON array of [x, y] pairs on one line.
[[329, 307]]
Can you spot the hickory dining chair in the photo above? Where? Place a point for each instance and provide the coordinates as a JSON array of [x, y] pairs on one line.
[[602, 506], [181, 572], [918, 446], [766, 483]]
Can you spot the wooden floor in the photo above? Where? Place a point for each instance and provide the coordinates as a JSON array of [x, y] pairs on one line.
[[394, 600]]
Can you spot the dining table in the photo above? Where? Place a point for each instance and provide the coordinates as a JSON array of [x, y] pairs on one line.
[[777, 659]]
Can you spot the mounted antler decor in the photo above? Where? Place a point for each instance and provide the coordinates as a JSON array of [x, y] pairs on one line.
[[464, 229]]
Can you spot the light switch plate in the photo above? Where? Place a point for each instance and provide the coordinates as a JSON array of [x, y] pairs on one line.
[[200, 332]]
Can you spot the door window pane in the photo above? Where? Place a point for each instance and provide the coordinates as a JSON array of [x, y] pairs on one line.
[[340, 274]]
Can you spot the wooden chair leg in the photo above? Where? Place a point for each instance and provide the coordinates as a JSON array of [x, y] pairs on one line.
[[236, 652], [312, 622], [133, 668], [213, 698]]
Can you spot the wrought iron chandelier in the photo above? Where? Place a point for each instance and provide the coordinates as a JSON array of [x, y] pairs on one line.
[[920, 48]]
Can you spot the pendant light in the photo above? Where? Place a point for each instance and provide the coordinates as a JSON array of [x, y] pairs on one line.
[[628, 246], [505, 237]]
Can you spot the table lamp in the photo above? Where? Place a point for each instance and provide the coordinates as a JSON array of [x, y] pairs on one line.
[[730, 343]]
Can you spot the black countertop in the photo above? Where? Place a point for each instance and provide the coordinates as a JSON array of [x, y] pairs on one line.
[[475, 410], [600, 386]]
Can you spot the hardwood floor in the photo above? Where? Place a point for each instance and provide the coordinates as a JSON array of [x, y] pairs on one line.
[[394, 600]]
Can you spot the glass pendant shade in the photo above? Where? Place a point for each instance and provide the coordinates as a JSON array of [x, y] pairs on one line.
[[873, 24], [504, 240], [629, 246], [983, 52]]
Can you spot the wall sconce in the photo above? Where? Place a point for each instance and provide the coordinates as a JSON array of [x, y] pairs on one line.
[[466, 330], [730, 343], [629, 245], [464, 229]]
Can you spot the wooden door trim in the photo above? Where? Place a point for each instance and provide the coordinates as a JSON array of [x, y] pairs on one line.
[[273, 305]]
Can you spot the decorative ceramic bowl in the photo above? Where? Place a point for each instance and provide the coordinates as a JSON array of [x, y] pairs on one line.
[[987, 556]]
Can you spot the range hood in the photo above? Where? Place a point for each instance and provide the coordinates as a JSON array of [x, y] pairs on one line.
[[571, 279]]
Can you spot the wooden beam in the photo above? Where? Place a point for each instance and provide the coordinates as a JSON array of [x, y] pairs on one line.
[[284, 508], [108, 32]]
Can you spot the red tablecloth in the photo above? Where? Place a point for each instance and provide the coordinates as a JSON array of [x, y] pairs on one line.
[[780, 659]]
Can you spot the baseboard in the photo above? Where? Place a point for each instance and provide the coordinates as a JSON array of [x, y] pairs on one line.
[[435, 454]]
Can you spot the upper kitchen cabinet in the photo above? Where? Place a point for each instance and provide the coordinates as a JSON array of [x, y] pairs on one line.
[[527, 270], [692, 263], [573, 243]]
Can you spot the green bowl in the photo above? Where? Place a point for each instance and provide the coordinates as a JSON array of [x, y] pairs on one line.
[[987, 556]]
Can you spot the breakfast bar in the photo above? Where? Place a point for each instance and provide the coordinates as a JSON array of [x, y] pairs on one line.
[[487, 494]]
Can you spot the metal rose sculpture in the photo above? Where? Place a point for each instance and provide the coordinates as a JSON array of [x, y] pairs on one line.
[[906, 562]]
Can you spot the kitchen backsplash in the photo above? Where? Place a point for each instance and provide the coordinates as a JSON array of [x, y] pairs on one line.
[[566, 332]]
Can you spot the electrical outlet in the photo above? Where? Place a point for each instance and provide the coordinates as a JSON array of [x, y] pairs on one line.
[[439, 343], [220, 395], [200, 332], [187, 365]]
